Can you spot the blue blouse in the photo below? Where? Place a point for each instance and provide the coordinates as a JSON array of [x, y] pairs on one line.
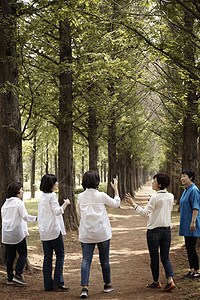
[[189, 201]]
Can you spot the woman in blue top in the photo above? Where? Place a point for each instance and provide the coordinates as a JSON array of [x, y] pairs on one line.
[[190, 220]]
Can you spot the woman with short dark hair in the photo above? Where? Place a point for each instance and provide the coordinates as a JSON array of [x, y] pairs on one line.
[[51, 228], [95, 228], [190, 220], [159, 210], [14, 231]]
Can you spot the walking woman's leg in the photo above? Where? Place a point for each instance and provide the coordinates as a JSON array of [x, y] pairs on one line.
[[153, 244], [87, 251], [165, 243], [58, 246], [47, 265], [21, 261], [190, 243], [104, 248], [10, 257]]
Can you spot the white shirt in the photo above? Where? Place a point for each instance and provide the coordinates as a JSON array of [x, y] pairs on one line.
[[14, 221], [94, 224], [50, 220], [158, 209]]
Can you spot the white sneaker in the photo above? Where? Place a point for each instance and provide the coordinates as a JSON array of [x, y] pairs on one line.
[[84, 293], [108, 288]]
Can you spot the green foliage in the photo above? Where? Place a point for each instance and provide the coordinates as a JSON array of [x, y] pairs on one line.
[[129, 63]]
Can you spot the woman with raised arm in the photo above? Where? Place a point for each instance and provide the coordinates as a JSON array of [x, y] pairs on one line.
[[95, 228], [158, 210]]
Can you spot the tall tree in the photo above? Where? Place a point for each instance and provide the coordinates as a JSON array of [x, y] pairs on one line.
[[65, 127], [10, 122]]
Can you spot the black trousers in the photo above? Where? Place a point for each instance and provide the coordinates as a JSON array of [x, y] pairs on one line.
[[21, 248], [190, 243]]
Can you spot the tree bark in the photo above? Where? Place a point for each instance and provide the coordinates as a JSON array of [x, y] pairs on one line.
[[10, 121], [92, 139], [33, 161], [190, 129], [66, 181], [112, 156]]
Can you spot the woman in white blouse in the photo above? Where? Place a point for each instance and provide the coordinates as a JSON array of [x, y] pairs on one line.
[[51, 228], [158, 210], [95, 228], [14, 231]]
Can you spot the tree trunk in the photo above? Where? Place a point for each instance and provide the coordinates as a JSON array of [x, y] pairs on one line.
[[83, 164], [33, 166], [47, 158], [190, 130], [56, 165], [112, 156], [92, 139], [122, 176], [66, 181], [104, 173], [10, 121]]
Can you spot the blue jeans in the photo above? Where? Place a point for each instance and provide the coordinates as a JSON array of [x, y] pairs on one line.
[[58, 246], [159, 237], [87, 250], [21, 248]]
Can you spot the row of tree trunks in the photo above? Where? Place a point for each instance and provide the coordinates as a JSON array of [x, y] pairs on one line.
[[188, 158], [131, 175]]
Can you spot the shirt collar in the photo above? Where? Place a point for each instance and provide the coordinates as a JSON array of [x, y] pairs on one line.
[[189, 187], [161, 191]]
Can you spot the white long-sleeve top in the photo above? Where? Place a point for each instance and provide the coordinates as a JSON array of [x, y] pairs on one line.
[[94, 224], [50, 220], [158, 209], [14, 221]]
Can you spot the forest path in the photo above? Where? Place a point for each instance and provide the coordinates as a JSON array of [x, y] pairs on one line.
[[129, 258]]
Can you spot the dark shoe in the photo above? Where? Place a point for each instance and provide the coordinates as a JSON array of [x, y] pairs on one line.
[[10, 282], [196, 275], [169, 286], [154, 285], [108, 288], [84, 293], [61, 288], [20, 280], [189, 275]]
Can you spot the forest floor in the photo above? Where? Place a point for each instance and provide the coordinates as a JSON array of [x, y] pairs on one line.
[[129, 258]]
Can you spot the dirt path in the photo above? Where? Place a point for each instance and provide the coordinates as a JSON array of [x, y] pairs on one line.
[[130, 270]]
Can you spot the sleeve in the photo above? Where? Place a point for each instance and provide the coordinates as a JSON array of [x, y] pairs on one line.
[[78, 207], [195, 199], [148, 208], [56, 208], [24, 214], [110, 201], [172, 202]]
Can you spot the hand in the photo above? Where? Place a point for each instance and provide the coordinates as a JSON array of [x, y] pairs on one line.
[[192, 226], [129, 199], [114, 184], [66, 203]]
